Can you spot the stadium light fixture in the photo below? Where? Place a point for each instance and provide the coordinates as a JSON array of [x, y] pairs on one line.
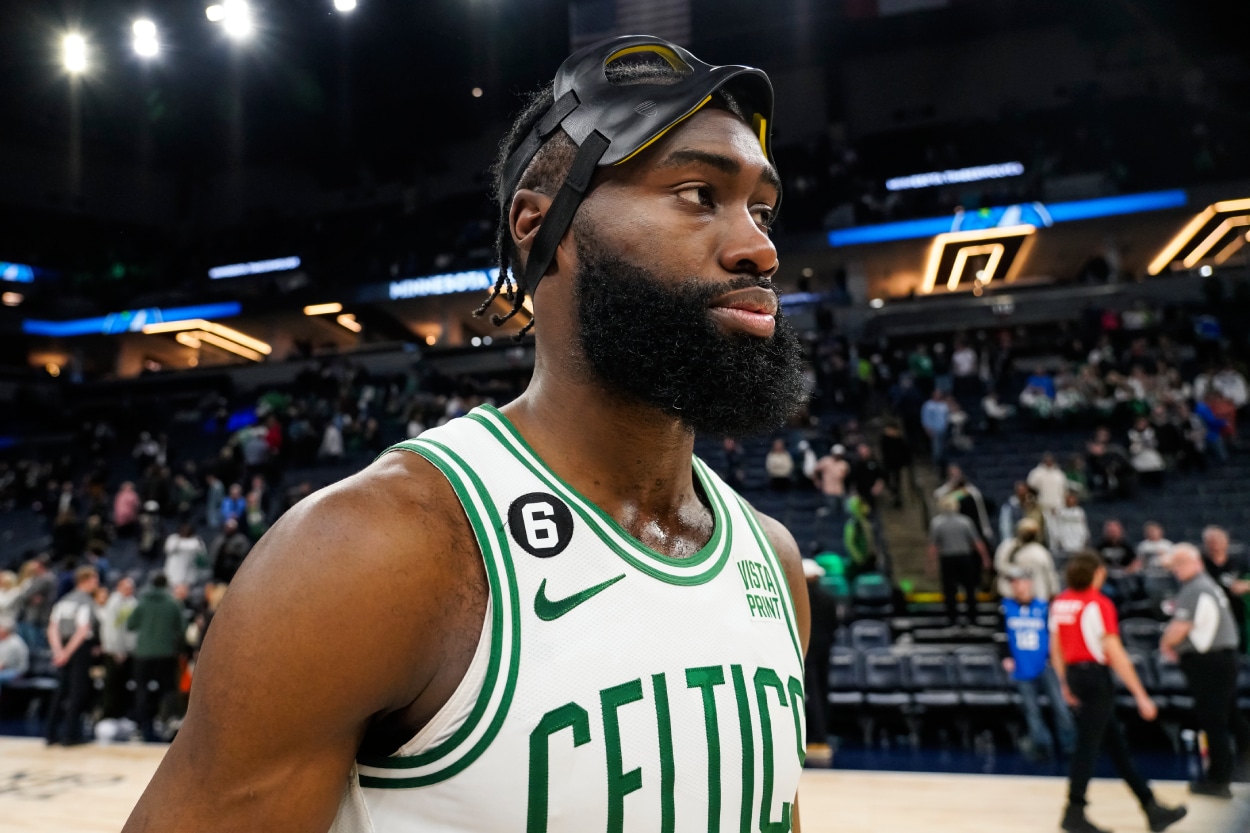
[[74, 53], [476, 92], [228, 345], [349, 322], [344, 5], [12, 299], [235, 16], [145, 43], [323, 309], [201, 327]]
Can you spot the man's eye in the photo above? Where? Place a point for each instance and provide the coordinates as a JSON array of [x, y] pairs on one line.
[[764, 215], [699, 195]]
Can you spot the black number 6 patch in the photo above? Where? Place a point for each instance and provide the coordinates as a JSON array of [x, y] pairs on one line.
[[541, 523]]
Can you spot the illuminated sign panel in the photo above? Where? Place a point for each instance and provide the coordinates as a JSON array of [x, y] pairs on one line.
[[955, 176], [256, 267], [16, 272], [448, 284], [1002, 248], [128, 321], [1218, 231]]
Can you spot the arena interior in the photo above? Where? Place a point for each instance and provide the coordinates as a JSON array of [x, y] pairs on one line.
[[241, 247]]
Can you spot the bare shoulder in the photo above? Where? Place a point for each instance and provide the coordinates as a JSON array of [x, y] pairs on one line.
[[791, 559], [360, 603]]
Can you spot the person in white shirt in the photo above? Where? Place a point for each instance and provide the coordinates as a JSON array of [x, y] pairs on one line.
[[116, 645], [779, 465], [1230, 384], [1025, 551], [183, 550], [1068, 527], [1152, 550], [14, 655], [1050, 483]]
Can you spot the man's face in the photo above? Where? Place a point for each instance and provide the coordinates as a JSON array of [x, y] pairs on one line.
[[675, 304]]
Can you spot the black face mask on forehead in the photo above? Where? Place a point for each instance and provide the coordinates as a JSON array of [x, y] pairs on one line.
[[650, 339]]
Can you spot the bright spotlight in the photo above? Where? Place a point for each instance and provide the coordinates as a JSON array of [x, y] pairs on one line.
[[344, 5], [145, 43], [235, 17], [477, 92], [75, 53]]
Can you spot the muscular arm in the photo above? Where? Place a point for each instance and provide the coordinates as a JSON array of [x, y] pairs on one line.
[[1175, 634], [337, 618], [792, 564]]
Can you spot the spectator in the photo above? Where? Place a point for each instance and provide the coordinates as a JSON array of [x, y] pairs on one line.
[[779, 466], [1084, 642], [14, 654], [965, 368], [234, 505], [867, 476], [1110, 469], [1144, 452], [1230, 571], [1050, 484], [228, 551], [935, 417], [1069, 530], [968, 497], [38, 585], [958, 552], [1021, 504], [824, 618], [1231, 384], [126, 509], [116, 646], [1203, 636], [1213, 439], [1116, 551], [896, 460], [995, 412], [184, 552], [214, 497], [734, 475], [1024, 549], [255, 517], [830, 478], [1028, 646], [331, 442], [151, 531], [10, 595], [1153, 548], [158, 624], [72, 632], [859, 538]]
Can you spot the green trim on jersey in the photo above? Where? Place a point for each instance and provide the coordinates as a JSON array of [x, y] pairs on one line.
[[682, 571], [779, 574], [505, 612]]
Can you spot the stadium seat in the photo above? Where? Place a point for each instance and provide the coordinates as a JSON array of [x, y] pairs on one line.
[[885, 679], [1141, 634], [933, 680], [981, 678], [1145, 672], [1171, 682], [872, 595], [870, 633], [845, 678]]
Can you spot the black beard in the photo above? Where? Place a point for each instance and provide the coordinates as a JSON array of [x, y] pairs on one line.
[[652, 340]]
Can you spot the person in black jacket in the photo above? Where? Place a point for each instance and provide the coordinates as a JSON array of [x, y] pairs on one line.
[[824, 621]]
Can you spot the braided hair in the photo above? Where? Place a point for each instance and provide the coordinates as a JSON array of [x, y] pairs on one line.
[[550, 166]]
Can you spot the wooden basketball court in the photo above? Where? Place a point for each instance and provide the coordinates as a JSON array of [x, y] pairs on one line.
[[92, 788]]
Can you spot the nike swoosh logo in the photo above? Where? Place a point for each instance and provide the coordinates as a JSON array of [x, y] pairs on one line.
[[549, 609]]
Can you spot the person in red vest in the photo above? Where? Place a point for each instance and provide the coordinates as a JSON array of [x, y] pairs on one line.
[[1085, 648]]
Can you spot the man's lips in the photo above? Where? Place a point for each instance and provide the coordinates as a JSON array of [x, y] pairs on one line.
[[751, 310]]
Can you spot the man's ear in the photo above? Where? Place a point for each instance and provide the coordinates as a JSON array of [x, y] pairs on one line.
[[525, 218]]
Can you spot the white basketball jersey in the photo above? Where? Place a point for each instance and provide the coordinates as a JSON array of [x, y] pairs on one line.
[[614, 688]]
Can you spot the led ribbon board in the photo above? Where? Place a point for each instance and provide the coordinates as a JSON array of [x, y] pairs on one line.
[[951, 253], [256, 267], [955, 176], [128, 321], [1218, 232], [448, 284]]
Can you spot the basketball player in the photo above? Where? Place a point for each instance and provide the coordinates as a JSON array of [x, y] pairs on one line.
[[550, 617]]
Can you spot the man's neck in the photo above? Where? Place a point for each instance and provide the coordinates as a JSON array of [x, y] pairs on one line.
[[629, 459]]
